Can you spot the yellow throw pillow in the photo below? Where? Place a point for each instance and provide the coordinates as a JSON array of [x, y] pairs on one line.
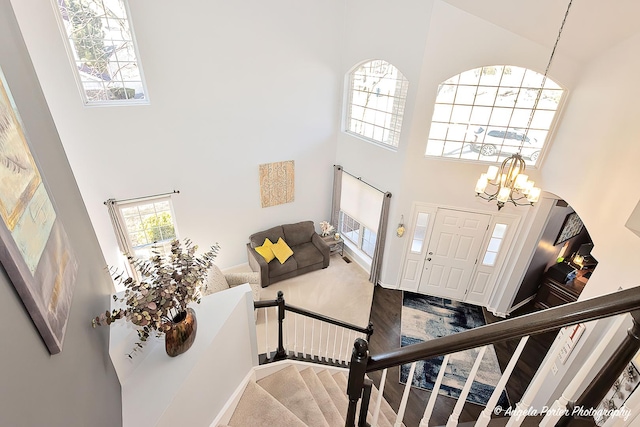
[[266, 251], [282, 251]]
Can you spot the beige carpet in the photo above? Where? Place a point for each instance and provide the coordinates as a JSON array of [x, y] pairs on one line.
[[341, 291]]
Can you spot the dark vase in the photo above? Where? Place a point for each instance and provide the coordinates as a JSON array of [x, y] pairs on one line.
[[181, 333]]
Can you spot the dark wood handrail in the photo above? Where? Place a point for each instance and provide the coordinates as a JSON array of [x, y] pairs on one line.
[[265, 304], [368, 330], [535, 323], [302, 311]]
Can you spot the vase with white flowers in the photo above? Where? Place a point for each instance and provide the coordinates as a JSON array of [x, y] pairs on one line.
[[326, 229], [158, 303]]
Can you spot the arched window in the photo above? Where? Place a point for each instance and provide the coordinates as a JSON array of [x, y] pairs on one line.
[[377, 91], [482, 114], [102, 50]]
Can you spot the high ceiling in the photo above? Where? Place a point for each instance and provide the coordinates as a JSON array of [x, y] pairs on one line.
[[592, 26]]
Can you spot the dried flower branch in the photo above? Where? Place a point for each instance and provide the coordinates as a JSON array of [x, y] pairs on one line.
[[168, 284]]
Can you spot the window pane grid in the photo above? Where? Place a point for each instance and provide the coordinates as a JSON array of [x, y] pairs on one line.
[[356, 233], [468, 106], [102, 44], [150, 227], [376, 102]]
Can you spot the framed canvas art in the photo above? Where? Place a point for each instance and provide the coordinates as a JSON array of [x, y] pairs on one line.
[[571, 227], [34, 248]]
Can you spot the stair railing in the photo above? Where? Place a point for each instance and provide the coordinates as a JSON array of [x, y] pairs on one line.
[[626, 301], [300, 338]]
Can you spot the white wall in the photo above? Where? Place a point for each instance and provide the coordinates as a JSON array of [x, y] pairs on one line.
[[430, 42], [232, 85], [77, 387], [593, 164]]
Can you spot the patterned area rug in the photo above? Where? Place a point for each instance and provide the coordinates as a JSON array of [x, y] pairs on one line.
[[425, 317]]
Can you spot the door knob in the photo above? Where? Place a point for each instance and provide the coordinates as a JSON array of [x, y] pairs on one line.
[[429, 259]]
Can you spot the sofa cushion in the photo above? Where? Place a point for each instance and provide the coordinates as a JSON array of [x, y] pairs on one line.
[[307, 254], [272, 234], [266, 250], [215, 281], [298, 233], [281, 250], [276, 269]]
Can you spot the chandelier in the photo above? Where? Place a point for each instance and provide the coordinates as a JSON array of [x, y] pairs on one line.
[[508, 183]]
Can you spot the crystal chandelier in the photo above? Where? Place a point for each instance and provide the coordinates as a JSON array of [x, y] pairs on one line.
[[508, 183]]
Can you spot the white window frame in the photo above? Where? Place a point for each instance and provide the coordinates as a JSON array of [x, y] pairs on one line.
[[361, 242], [381, 123], [122, 80], [165, 243], [482, 115]]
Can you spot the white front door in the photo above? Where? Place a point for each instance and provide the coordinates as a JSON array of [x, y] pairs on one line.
[[452, 253]]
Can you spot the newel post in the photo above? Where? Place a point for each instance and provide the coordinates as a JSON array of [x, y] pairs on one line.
[[357, 371], [611, 370], [281, 354], [369, 331]]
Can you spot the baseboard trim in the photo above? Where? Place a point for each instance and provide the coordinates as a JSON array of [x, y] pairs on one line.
[[521, 304]]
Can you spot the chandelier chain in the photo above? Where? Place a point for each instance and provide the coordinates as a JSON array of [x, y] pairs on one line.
[[544, 77]]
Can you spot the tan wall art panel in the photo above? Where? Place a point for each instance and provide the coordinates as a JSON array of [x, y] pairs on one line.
[[276, 183]]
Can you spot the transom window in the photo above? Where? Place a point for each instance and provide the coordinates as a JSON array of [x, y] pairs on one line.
[[102, 49], [150, 226], [482, 114], [376, 102]]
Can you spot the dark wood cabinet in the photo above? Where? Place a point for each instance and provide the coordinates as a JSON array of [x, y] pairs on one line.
[[552, 293]]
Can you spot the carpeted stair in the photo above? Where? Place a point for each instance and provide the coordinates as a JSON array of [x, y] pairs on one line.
[[301, 396]]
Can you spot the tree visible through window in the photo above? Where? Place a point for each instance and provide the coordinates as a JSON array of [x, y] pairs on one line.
[[376, 102], [150, 226], [482, 114], [103, 51]]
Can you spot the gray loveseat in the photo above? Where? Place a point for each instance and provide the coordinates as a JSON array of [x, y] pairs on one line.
[[310, 252]]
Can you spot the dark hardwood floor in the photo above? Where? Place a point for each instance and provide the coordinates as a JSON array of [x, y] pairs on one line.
[[385, 315]]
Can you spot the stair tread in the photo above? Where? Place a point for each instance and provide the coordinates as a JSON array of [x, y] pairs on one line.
[[288, 387], [386, 411], [383, 419], [338, 396], [258, 408], [322, 398]]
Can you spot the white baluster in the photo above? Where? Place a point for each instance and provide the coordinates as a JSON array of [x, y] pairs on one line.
[[405, 397], [295, 333], [313, 330], [349, 349], [341, 345], [266, 331], [326, 351], [424, 422], [376, 409], [335, 344], [304, 336], [524, 406], [457, 410], [554, 414], [485, 416], [320, 341]]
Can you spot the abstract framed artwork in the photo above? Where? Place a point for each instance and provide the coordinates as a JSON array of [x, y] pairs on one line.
[[34, 248], [276, 183], [571, 227]]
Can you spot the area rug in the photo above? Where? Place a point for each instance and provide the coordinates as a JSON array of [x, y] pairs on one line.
[[424, 318]]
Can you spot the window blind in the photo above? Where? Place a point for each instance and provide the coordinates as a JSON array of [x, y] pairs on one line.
[[361, 202]]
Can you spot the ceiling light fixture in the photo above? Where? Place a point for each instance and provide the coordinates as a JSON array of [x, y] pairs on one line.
[[508, 182]]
